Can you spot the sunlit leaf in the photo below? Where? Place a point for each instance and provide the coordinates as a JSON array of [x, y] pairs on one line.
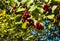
[[29, 37], [50, 16], [40, 10], [20, 9], [30, 2], [33, 7], [24, 25], [46, 0], [53, 8], [57, 0]]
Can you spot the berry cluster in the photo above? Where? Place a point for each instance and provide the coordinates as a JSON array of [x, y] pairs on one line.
[[25, 15], [46, 8], [40, 20]]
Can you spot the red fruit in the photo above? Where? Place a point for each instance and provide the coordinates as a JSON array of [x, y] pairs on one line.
[[14, 7], [23, 18], [47, 8], [58, 7], [25, 15], [39, 26]]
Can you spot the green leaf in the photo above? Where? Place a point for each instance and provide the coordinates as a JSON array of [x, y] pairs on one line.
[[20, 9], [15, 0], [35, 13], [53, 8], [49, 1], [23, 1], [59, 23], [40, 10], [33, 7], [30, 2], [18, 22], [24, 25], [50, 16], [57, 1], [31, 36]]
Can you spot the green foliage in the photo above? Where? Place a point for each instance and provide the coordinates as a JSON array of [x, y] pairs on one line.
[[13, 27]]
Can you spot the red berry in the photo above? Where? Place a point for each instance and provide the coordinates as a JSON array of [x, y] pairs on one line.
[[39, 26], [25, 15], [58, 7], [47, 8]]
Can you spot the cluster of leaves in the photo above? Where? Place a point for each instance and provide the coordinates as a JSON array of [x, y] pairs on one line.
[[13, 27]]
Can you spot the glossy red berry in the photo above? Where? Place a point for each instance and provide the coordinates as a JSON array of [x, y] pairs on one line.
[[58, 7], [25, 15], [39, 26], [47, 8]]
